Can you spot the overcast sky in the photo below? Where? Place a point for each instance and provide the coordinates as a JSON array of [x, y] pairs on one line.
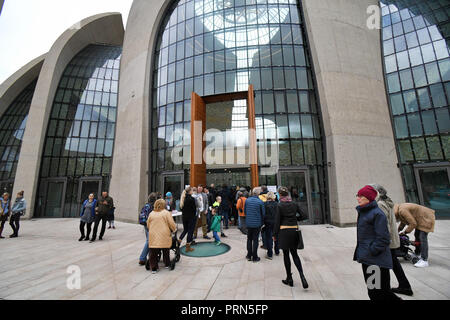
[[28, 28]]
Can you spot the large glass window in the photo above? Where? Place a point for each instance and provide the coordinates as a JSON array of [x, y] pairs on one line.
[[420, 100], [234, 44], [81, 129], [12, 128]]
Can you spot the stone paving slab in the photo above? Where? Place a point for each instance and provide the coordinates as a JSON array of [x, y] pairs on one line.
[[34, 266]]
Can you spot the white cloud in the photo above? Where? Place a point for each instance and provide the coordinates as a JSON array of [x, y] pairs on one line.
[[28, 28]]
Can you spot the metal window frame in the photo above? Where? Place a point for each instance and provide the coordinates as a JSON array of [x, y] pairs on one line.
[[435, 165], [63, 198]]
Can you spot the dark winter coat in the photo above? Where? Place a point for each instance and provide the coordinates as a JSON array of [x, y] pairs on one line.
[[271, 212], [254, 212], [189, 210], [286, 215], [373, 237]]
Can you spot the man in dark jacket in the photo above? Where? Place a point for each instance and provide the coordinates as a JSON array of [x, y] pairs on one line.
[[104, 205], [372, 249], [225, 206], [254, 213]]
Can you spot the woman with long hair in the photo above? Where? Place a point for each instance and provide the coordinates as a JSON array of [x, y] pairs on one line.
[[285, 232], [189, 216]]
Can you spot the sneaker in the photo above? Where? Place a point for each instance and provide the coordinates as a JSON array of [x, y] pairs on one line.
[[218, 243], [405, 291], [269, 257], [421, 264], [257, 259], [153, 271]]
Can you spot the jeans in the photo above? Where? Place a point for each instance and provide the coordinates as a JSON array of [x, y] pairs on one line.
[[398, 271], [145, 250], [268, 243], [103, 218], [216, 236], [188, 228], [422, 249], [88, 227], [384, 292], [14, 222], [252, 242]]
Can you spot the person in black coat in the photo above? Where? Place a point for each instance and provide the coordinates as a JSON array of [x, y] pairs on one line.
[[269, 222], [285, 232], [189, 216], [372, 249], [225, 206]]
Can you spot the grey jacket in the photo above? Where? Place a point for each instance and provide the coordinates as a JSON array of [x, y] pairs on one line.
[[387, 206]]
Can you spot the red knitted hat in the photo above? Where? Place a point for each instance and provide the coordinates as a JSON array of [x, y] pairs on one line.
[[368, 192]]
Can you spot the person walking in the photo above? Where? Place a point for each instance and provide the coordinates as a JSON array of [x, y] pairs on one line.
[[5, 209], [87, 215], [372, 249], [145, 212], [202, 221], [240, 208], [215, 225], [387, 206], [285, 232], [110, 218], [420, 218], [254, 213], [189, 215], [104, 205], [160, 226], [17, 210], [269, 223]]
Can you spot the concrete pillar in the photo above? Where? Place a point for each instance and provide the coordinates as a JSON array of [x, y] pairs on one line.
[[347, 60]]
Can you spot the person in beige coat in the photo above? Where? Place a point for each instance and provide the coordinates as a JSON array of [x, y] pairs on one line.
[[421, 219], [160, 225], [387, 206]]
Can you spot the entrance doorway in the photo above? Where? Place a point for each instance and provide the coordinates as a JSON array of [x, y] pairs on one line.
[[54, 191], [230, 177], [173, 182], [433, 184], [297, 182], [86, 187]]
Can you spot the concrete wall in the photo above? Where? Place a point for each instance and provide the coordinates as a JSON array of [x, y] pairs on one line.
[[15, 84], [130, 172], [359, 137], [104, 28]]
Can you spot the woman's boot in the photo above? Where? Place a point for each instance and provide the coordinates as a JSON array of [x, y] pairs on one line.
[[304, 282], [288, 281]]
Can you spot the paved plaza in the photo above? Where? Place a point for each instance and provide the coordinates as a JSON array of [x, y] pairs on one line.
[[34, 266]]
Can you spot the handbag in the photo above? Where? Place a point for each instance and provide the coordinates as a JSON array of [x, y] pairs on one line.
[[300, 244]]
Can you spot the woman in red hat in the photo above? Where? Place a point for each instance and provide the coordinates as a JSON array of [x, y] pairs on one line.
[[372, 249]]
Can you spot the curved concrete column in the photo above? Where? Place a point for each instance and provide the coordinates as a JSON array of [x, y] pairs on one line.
[[106, 28], [349, 72], [130, 171], [16, 83]]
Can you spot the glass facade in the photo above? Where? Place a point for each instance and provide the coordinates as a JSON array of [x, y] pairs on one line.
[[221, 46], [12, 128], [416, 36], [81, 130]]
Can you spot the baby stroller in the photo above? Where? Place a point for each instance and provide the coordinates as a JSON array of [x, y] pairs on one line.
[[405, 251], [175, 248]]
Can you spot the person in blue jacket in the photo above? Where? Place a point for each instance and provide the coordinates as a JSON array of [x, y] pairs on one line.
[[87, 215], [17, 210], [4, 211], [254, 214], [372, 249]]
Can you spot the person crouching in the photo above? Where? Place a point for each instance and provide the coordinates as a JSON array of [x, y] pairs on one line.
[[160, 226]]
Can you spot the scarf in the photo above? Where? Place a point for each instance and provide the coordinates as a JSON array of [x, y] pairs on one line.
[[286, 199]]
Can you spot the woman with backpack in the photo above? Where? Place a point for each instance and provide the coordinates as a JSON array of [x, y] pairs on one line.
[[87, 215], [189, 214], [5, 209], [17, 210], [143, 217], [285, 232]]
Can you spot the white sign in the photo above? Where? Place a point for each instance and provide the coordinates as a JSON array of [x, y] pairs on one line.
[[272, 189]]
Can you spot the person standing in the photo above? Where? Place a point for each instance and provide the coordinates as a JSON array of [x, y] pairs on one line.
[[87, 215], [170, 202], [225, 206], [387, 206], [269, 222], [160, 226], [215, 225], [5, 209], [421, 219], [372, 249], [254, 213], [146, 210], [17, 210], [189, 215], [285, 233], [104, 205], [240, 208], [201, 222]]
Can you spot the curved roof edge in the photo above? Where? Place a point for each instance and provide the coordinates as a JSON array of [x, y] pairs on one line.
[[18, 81]]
